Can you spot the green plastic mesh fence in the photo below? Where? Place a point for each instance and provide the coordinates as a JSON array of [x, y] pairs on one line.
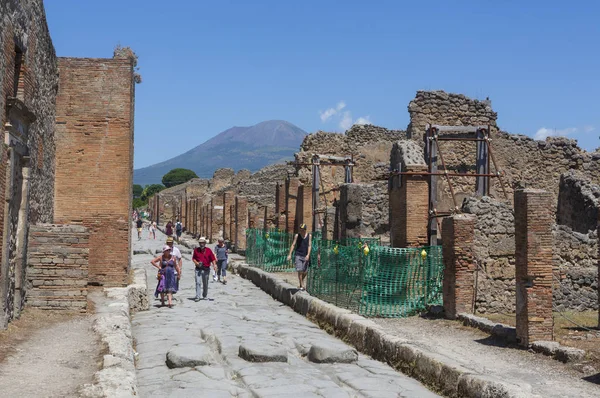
[[268, 250], [377, 282]]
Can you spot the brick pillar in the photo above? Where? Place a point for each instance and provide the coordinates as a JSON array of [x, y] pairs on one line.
[[533, 265], [409, 209], [227, 201], [231, 227], [459, 264], [201, 225], [304, 206], [209, 220], [280, 205], [241, 222], [196, 217], [291, 196]]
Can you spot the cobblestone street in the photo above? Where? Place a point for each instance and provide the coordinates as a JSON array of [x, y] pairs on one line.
[[239, 319]]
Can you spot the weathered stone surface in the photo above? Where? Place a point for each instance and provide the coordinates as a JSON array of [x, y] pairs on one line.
[[262, 353], [332, 354], [545, 347], [189, 356], [568, 354]]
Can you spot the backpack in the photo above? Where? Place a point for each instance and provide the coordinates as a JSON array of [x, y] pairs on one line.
[[178, 227]]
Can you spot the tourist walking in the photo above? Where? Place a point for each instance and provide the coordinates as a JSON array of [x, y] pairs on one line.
[[222, 255], [178, 229], [139, 224], [203, 259], [152, 230], [169, 229], [167, 277], [177, 254], [301, 246]]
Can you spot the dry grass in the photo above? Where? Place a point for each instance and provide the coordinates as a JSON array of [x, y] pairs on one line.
[[31, 321]]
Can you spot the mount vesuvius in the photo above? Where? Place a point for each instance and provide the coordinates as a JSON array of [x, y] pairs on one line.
[[251, 148]]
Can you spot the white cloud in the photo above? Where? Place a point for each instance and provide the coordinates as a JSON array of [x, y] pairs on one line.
[[325, 116], [363, 120], [342, 117], [544, 132], [346, 121], [588, 129]]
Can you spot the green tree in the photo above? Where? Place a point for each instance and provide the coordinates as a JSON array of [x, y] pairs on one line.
[[137, 190], [178, 176], [150, 190], [137, 203]]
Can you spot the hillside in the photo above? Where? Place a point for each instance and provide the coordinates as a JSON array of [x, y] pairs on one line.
[[251, 148]]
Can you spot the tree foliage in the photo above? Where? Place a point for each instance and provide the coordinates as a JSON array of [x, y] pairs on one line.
[[137, 190], [178, 176], [137, 203], [150, 190]]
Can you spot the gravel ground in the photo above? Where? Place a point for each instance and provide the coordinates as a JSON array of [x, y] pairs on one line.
[[531, 372], [54, 361]]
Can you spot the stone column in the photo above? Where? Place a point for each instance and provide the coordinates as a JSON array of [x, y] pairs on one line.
[[241, 222], [201, 225], [533, 265], [351, 210], [409, 209], [458, 233], [227, 201], [291, 196]]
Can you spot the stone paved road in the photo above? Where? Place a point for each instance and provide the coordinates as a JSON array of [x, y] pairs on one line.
[[240, 314]]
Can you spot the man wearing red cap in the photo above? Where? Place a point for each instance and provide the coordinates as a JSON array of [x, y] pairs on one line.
[[203, 259]]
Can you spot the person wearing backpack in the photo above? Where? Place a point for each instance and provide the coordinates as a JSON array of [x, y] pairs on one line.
[[178, 230]]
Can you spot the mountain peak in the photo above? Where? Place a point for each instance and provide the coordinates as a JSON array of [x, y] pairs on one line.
[[252, 148]]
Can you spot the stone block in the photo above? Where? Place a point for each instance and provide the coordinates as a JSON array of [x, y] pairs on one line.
[[332, 354], [262, 353]]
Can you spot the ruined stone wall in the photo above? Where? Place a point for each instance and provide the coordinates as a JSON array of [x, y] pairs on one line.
[[575, 259], [94, 162], [577, 202], [494, 251], [369, 146], [362, 209], [23, 26], [57, 267]]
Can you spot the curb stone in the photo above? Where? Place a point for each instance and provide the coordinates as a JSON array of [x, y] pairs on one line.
[[117, 378], [509, 334], [439, 373]]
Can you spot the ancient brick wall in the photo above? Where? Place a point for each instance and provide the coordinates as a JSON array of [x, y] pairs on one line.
[[459, 264], [57, 267], [577, 202], [94, 162], [23, 26]]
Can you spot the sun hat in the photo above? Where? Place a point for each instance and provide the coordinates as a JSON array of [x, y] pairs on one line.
[[166, 248], [170, 239], [202, 240]]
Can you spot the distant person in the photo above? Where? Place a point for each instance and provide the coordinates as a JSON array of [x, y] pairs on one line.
[[203, 259], [169, 229], [222, 255], [152, 230], [301, 247], [167, 276], [178, 229], [139, 224]]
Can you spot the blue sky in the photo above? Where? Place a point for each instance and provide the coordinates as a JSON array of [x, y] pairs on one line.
[[210, 65]]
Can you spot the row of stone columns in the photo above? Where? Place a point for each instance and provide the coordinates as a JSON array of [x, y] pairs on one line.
[[533, 267]]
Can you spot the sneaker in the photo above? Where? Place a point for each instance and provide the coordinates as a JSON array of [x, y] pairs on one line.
[[224, 282], [196, 299], [215, 279]]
